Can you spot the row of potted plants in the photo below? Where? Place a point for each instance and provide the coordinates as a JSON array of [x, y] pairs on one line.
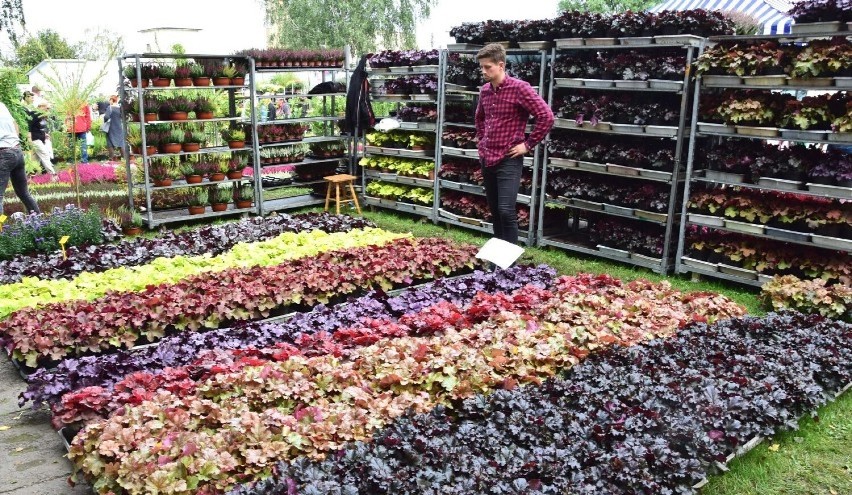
[[400, 192], [279, 57], [623, 150], [819, 58], [464, 70], [633, 65], [283, 154], [403, 58], [406, 85], [438, 337], [564, 434], [407, 167], [832, 11], [766, 257], [279, 133], [586, 24], [199, 73], [175, 140], [216, 167], [787, 211], [747, 160], [470, 172], [614, 191], [631, 109], [459, 138], [772, 109], [162, 107], [212, 239], [630, 236], [413, 112], [416, 141]]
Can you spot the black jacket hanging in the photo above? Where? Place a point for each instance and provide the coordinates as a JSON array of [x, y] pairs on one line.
[[359, 111]]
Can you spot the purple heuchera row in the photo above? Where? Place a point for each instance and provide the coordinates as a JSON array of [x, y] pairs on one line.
[[48, 386], [650, 418], [140, 250]]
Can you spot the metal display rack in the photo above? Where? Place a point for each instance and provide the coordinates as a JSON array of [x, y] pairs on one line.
[[456, 93], [329, 118], [378, 75], [574, 238], [154, 218], [723, 181]]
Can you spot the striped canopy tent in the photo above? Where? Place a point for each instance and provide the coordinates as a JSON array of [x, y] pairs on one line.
[[771, 14]]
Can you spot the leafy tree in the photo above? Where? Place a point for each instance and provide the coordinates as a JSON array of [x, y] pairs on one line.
[[45, 44], [607, 6], [362, 24], [99, 44], [11, 17]]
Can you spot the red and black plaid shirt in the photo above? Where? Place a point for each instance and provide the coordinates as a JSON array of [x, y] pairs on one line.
[[502, 116]]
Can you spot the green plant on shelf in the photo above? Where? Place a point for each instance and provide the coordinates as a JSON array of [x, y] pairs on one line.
[[423, 141], [130, 72], [161, 168], [177, 136], [238, 162], [134, 136], [200, 198], [224, 194], [196, 70], [232, 134], [166, 71], [245, 192], [420, 195], [228, 71], [386, 190], [194, 137], [187, 169], [223, 166], [204, 104]]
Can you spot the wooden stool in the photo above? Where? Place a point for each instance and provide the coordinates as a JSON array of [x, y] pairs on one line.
[[336, 181]]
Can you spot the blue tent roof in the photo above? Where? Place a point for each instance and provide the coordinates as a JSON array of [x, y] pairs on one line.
[[774, 21]]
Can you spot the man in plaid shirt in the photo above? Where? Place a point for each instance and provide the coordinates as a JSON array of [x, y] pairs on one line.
[[505, 105]]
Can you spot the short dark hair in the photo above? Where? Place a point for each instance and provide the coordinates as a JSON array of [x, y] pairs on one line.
[[493, 51], [27, 94]]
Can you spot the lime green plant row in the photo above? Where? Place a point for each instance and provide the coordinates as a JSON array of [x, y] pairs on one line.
[[31, 292]]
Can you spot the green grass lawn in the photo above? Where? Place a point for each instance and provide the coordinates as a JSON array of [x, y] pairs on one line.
[[814, 460]]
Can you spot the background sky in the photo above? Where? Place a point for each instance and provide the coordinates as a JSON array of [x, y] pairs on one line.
[[241, 24]]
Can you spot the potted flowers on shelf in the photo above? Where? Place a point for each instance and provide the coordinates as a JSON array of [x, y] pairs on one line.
[[192, 140], [134, 139], [172, 141], [181, 106], [218, 171], [199, 201], [196, 72], [160, 170], [236, 138], [165, 73], [151, 107], [221, 198], [130, 221], [239, 70], [222, 76], [191, 172], [236, 165], [183, 77], [130, 73], [244, 196], [203, 108]]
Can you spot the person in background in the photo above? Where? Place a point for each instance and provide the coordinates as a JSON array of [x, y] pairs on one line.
[[12, 161], [115, 134], [38, 98], [284, 109], [504, 108], [39, 135], [271, 109], [82, 125]]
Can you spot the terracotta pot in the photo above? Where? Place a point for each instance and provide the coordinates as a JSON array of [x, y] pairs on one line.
[[131, 230], [193, 179], [238, 81], [201, 81], [217, 177], [236, 144], [144, 83], [150, 116], [161, 82], [150, 150], [242, 204], [162, 182], [134, 149], [235, 175], [170, 147], [203, 115], [134, 117], [183, 81], [189, 147], [221, 81], [196, 210], [219, 206], [178, 115]]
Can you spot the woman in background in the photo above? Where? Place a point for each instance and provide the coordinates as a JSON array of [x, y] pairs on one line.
[[115, 134]]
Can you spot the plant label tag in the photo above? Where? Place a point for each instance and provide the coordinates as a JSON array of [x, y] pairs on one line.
[[500, 252], [62, 242], [3, 219]]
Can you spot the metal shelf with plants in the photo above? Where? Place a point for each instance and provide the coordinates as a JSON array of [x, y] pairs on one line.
[[180, 125], [765, 196], [612, 172], [399, 165], [460, 195], [302, 143]]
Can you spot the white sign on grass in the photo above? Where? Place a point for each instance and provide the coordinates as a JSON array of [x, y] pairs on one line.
[[500, 252]]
